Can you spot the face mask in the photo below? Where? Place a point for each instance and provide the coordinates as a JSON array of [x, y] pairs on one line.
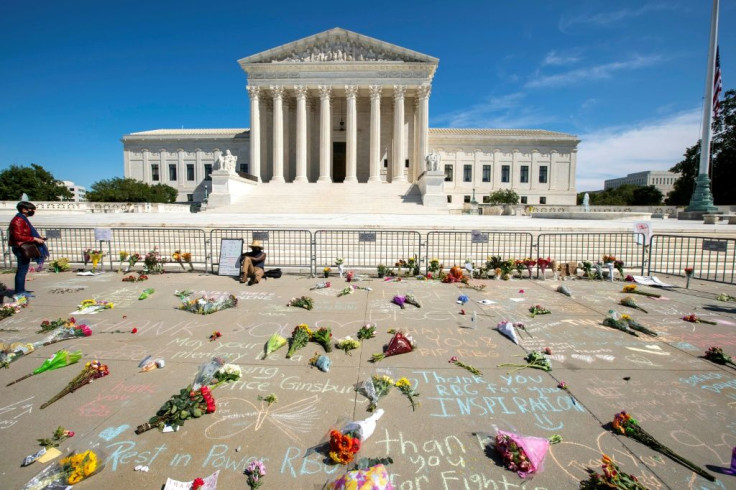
[[31, 212]]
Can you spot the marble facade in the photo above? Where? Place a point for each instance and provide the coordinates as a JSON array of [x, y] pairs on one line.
[[340, 107]]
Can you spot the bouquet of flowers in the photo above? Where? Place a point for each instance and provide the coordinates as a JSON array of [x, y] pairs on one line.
[[321, 285], [587, 267], [626, 425], [321, 362], [725, 297], [153, 261], [507, 329], [69, 471], [303, 302], [614, 321], [695, 319], [146, 293], [619, 266], [529, 263], [519, 266], [404, 386], [412, 300], [347, 344], [400, 343], [60, 265], [323, 336], [300, 336], [11, 309], [467, 367], [564, 290], [523, 454], [133, 259], [376, 475], [276, 342], [376, 388], [366, 332], [206, 306], [534, 359], [716, 354], [343, 447], [637, 326], [227, 374], [609, 259], [180, 257], [612, 477], [92, 371], [95, 256], [326, 272], [631, 289], [91, 306], [131, 278], [60, 359], [543, 264], [123, 256], [346, 290], [47, 326], [538, 310], [629, 301], [255, 472]]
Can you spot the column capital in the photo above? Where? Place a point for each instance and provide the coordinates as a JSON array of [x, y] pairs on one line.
[[375, 91], [399, 91], [325, 92], [254, 91], [277, 91], [423, 91], [351, 91], [300, 91]]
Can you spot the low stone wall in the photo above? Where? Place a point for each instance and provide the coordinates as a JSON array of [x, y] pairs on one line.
[[101, 207], [655, 211]]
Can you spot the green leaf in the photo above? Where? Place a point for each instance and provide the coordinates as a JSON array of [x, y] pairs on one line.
[[197, 413]]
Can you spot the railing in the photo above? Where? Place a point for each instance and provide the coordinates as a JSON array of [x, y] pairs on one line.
[[365, 249], [569, 247], [455, 247], [284, 248], [712, 259]]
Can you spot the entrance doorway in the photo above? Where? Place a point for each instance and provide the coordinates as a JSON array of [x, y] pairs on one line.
[[338, 161]]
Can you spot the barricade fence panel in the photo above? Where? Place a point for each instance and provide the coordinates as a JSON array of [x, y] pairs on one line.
[[68, 242], [712, 259], [579, 247], [455, 247], [5, 249], [284, 248], [364, 249], [165, 241]]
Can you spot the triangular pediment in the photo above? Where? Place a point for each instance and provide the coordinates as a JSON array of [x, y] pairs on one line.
[[338, 46]]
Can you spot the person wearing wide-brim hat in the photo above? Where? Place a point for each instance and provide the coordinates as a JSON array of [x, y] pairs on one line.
[[252, 264]]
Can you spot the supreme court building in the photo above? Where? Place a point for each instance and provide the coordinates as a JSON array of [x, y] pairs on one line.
[[342, 108]]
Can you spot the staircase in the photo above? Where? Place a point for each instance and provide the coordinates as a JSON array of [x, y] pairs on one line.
[[322, 198]]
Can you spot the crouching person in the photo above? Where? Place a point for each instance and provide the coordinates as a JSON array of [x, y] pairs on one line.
[[252, 264]]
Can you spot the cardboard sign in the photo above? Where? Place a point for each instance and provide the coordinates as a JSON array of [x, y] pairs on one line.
[[645, 229], [103, 234], [230, 251]]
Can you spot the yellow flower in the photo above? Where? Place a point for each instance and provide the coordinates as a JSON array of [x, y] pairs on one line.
[[625, 317], [403, 382], [629, 288], [387, 379]]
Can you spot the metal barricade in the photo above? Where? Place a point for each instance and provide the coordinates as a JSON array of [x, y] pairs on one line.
[[579, 247], [284, 248], [5, 250], [455, 247], [363, 249], [165, 241], [68, 242], [712, 259]]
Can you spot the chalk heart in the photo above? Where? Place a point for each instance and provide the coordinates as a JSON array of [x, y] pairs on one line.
[[112, 432]]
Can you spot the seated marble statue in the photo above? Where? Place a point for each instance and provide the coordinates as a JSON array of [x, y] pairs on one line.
[[226, 162], [433, 161]]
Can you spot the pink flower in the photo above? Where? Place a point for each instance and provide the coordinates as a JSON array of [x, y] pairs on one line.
[[453, 359], [135, 330], [521, 291], [562, 385], [548, 351]]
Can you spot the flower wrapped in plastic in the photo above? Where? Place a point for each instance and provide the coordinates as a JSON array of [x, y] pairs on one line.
[[59, 360], [300, 336], [321, 285], [68, 471], [412, 300], [523, 454], [400, 301], [323, 336], [506, 328], [564, 290], [375, 388], [619, 324], [629, 302], [302, 302], [227, 373], [400, 343], [638, 326], [206, 306], [207, 372], [347, 344], [345, 291], [255, 472], [367, 331], [631, 289], [276, 342], [374, 477]]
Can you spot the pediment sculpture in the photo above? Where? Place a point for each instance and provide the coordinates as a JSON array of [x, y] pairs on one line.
[[340, 51]]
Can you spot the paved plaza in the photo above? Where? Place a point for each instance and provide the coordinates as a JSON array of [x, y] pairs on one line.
[[685, 401]]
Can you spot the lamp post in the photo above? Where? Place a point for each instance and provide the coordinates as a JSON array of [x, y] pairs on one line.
[[473, 201]]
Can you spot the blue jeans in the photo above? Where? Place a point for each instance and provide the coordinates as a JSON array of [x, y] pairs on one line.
[[20, 274]]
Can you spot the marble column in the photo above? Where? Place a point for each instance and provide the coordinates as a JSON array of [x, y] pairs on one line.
[[277, 92], [422, 127], [399, 154], [325, 134], [351, 165], [255, 132], [375, 139], [301, 133]]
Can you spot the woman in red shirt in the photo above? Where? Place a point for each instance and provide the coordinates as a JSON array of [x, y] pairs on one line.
[[21, 231]]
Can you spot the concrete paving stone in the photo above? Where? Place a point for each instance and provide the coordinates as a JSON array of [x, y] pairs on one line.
[[684, 400]]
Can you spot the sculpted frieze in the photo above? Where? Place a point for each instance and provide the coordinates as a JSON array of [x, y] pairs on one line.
[[340, 51]]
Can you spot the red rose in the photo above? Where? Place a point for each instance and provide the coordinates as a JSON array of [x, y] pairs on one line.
[[197, 483], [135, 330]]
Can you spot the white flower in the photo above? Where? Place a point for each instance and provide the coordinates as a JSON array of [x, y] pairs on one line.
[[231, 370]]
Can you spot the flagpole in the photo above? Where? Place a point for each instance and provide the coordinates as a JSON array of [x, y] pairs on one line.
[[701, 201]]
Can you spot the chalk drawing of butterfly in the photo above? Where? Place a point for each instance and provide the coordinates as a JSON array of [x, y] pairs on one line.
[[236, 415]]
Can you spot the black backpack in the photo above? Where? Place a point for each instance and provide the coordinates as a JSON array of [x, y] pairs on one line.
[[272, 273]]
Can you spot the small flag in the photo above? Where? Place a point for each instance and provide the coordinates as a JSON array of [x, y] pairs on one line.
[[717, 86]]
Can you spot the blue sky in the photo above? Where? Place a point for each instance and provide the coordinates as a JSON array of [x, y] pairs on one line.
[[627, 77]]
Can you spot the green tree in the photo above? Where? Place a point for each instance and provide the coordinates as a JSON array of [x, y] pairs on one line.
[[723, 160], [503, 196], [130, 190], [647, 196], [36, 181]]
